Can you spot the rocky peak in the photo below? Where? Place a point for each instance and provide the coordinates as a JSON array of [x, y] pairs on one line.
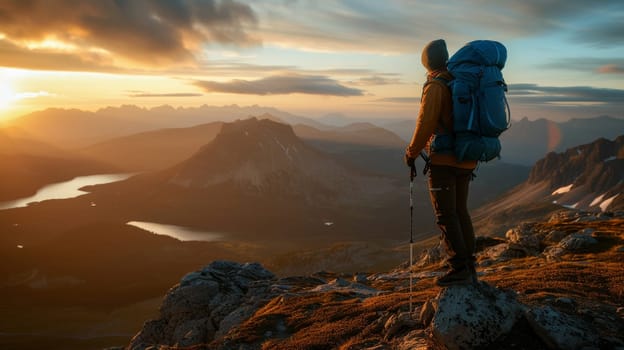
[[266, 157], [589, 177], [564, 168], [251, 153]]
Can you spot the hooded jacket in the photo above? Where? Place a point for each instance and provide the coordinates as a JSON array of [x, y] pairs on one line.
[[435, 117]]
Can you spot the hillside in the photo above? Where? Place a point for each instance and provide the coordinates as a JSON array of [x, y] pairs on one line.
[[27, 165], [588, 177], [529, 297], [153, 150]]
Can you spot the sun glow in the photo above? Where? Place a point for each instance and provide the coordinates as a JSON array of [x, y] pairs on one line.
[[6, 95]]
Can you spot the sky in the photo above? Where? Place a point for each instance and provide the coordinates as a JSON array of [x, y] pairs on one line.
[[360, 58]]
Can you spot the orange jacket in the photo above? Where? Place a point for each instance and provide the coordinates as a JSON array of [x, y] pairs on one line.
[[435, 115]]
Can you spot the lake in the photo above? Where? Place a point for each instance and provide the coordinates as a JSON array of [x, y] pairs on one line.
[[178, 232], [63, 190]]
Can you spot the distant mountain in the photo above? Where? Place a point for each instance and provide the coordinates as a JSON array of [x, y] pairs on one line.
[[77, 129], [527, 141], [72, 128], [28, 165], [336, 119], [370, 147], [17, 142], [586, 177], [356, 133], [403, 128], [266, 156], [153, 150]]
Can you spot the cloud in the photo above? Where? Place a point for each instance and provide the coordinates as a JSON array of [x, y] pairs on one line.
[[533, 93], [611, 68], [282, 84], [144, 31], [403, 26], [376, 80], [400, 100], [19, 57], [31, 94], [606, 33], [172, 94], [588, 64]]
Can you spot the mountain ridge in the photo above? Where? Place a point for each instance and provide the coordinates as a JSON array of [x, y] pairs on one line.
[[587, 177]]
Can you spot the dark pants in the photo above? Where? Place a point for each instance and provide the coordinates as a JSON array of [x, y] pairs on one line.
[[448, 188]]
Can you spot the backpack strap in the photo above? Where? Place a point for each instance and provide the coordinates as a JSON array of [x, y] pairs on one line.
[[444, 81], [447, 83]]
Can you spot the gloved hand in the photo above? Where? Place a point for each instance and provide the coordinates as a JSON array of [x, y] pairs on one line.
[[409, 161]]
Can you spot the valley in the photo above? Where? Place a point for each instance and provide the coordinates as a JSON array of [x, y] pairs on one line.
[[299, 199]]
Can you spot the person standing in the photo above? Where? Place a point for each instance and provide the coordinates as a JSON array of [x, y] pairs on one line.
[[449, 179]]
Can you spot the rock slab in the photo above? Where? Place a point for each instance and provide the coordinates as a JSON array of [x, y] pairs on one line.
[[207, 304], [473, 316], [560, 330]]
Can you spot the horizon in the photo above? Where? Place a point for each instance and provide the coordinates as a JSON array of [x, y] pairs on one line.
[[322, 119], [362, 62]]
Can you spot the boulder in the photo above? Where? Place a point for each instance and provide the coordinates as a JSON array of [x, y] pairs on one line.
[[207, 303], [554, 237], [571, 243], [430, 256], [561, 331], [344, 286], [578, 240], [503, 252], [469, 316], [524, 237]]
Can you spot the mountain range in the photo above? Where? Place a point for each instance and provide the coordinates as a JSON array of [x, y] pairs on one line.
[[524, 143], [73, 128], [527, 141], [587, 177]]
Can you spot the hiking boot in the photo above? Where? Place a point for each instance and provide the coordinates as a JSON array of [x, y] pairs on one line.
[[456, 277]]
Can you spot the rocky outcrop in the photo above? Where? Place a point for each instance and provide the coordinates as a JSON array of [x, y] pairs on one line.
[[468, 317], [561, 331], [526, 240], [207, 304], [229, 305]]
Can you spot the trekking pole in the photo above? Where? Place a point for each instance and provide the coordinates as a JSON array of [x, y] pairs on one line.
[[411, 244]]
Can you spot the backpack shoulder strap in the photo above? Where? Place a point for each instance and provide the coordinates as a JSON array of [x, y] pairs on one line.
[[440, 81]]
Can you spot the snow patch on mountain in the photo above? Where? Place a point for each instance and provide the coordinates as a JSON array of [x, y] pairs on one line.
[[563, 189], [597, 200], [607, 202]]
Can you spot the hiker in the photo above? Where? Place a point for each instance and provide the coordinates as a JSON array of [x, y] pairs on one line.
[[449, 178]]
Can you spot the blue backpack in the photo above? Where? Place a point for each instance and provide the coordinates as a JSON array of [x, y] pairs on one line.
[[480, 109]]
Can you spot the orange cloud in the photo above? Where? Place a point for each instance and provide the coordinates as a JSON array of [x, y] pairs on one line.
[[147, 32], [611, 68]]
